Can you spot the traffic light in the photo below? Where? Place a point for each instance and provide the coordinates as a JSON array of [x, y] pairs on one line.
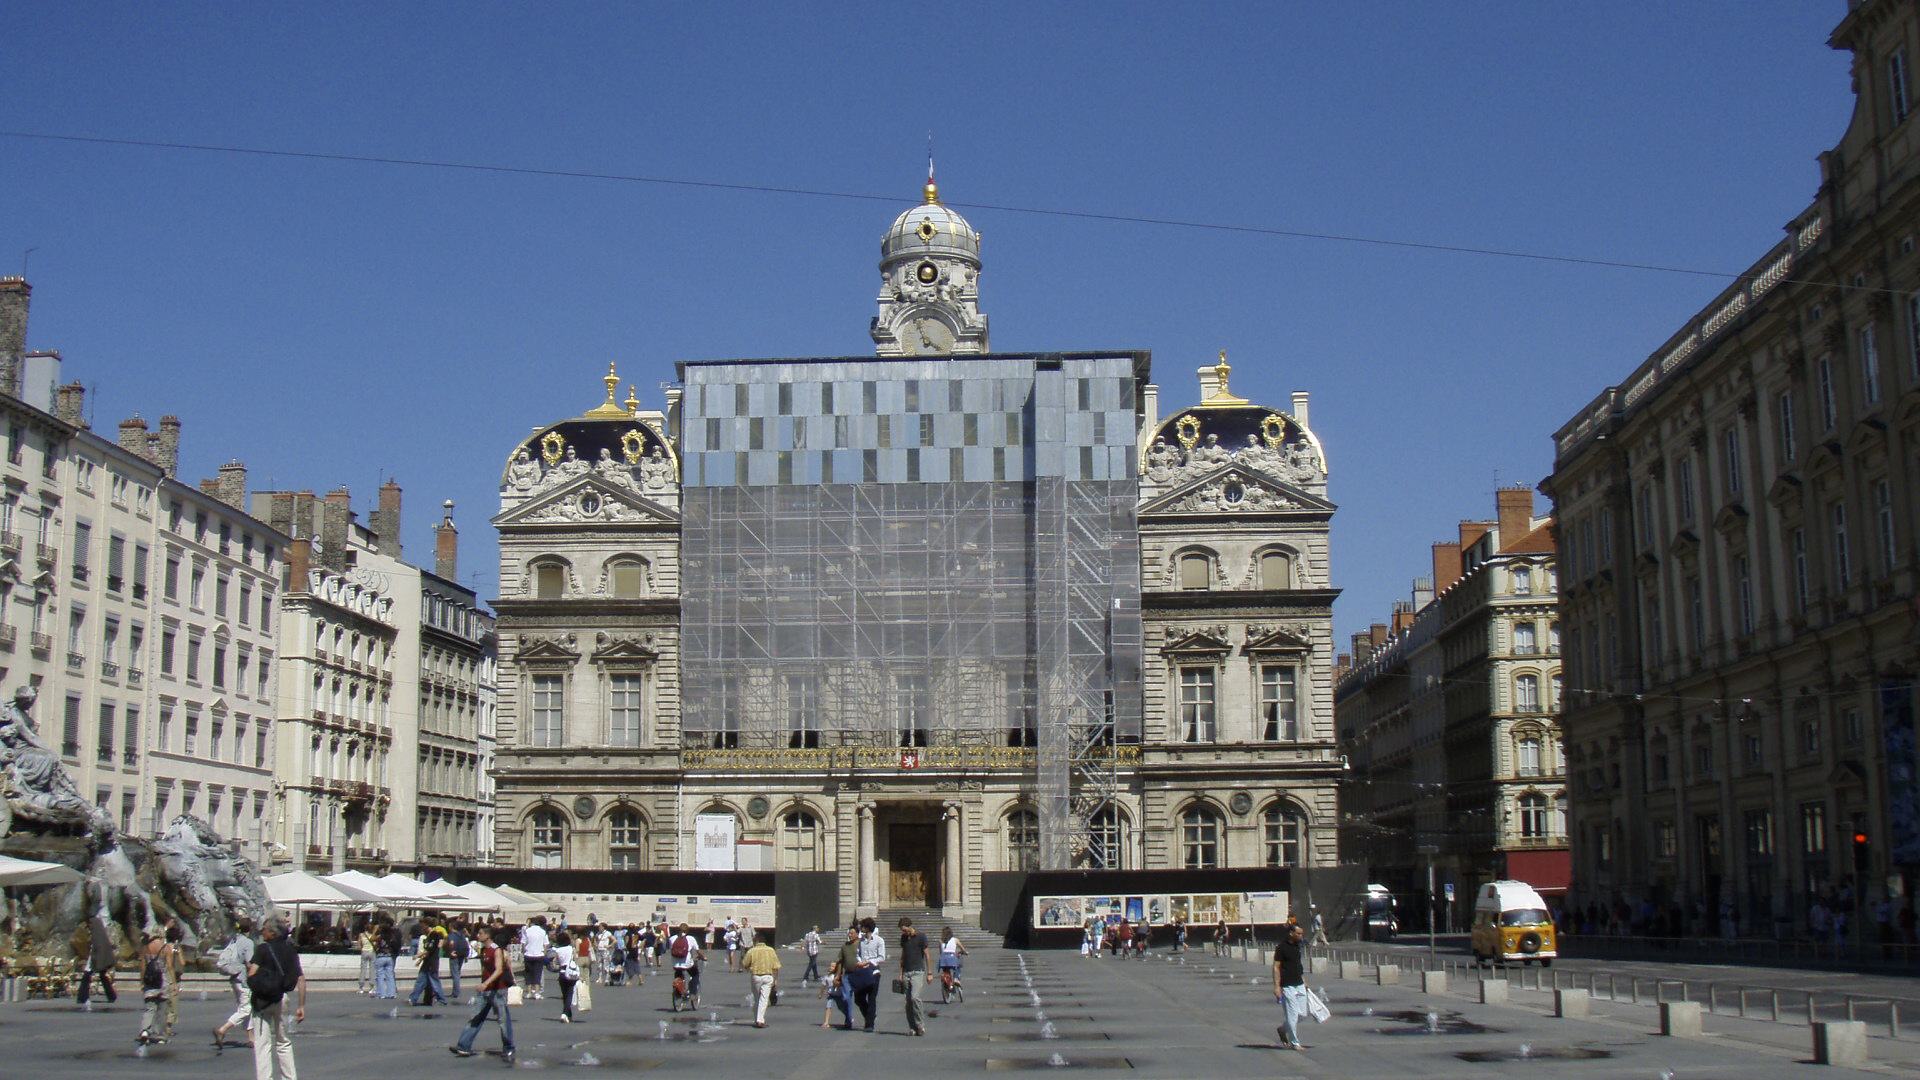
[[1862, 852]]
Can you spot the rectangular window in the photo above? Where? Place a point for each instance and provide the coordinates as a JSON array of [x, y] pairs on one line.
[[1842, 557], [166, 652], [1279, 703], [1913, 335], [170, 584], [193, 659], [1020, 726], [1666, 840], [1869, 368], [1829, 409], [130, 737], [1730, 459], [803, 713], [163, 732], [547, 712], [1760, 833], [70, 728], [260, 746], [266, 609], [1789, 452], [220, 588], [116, 563], [1196, 704], [912, 708], [623, 709], [1813, 828], [1897, 89], [1743, 586], [103, 736], [1686, 488], [82, 544], [1649, 527], [1697, 608], [1883, 521], [197, 586], [1802, 583], [140, 555], [220, 666]]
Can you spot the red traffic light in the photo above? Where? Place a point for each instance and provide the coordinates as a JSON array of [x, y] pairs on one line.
[[1859, 838]]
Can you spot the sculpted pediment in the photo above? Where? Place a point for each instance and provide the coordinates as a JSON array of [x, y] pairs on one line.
[[548, 646], [590, 498], [1234, 489], [624, 646], [1278, 639], [1202, 641]]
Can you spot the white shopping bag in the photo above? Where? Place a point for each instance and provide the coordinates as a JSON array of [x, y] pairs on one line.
[[1317, 1008], [583, 996]]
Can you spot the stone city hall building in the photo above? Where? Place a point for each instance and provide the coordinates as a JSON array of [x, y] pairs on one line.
[[912, 617]]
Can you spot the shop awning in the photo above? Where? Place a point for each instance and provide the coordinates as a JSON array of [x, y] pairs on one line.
[[1549, 872]]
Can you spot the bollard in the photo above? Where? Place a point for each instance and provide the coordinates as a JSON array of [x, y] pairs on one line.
[[1893, 1019], [1680, 1019], [1350, 970], [1570, 1004], [1493, 991], [1773, 1003], [1840, 1042], [1433, 982], [1387, 974]]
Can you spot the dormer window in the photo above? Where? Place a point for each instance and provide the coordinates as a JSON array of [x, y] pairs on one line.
[[549, 581], [1276, 570], [626, 578]]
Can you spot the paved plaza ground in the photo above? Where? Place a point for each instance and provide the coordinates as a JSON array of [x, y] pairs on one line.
[[1196, 1016]]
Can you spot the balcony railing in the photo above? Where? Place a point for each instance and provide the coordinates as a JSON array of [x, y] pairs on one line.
[[76, 662], [40, 643], [10, 542], [109, 669], [135, 676], [44, 553], [8, 636]]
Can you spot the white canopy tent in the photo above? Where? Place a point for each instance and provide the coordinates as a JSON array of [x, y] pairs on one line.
[[497, 900], [434, 894], [28, 872], [533, 904], [297, 888]]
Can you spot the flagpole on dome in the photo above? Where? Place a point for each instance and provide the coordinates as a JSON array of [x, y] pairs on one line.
[[933, 190]]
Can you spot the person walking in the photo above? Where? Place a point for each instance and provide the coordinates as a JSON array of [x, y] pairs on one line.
[[496, 978], [272, 1034], [96, 952], [811, 943], [951, 950], [871, 953], [1290, 987], [153, 987], [232, 962], [915, 973], [176, 967], [459, 947], [386, 953], [533, 954], [636, 958], [426, 983], [841, 971], [730, 936], [762, 965], [1319, 928], [368, 941], [566, 968]]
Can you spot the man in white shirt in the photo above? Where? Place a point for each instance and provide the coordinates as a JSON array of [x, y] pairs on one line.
[[812, 944], [865, 978], [533, 954]]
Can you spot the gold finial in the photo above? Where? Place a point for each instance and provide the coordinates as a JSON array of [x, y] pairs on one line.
[[611, 408], [633, 400], [933, 192], [1221, 395], [613, 380]]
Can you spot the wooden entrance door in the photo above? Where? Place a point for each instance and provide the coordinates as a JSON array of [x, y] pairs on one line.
[[914, 856]]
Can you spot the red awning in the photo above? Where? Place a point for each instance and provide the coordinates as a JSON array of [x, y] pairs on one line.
[[1549, 872]]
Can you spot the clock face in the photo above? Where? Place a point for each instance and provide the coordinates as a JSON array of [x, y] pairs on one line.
[[927, 273], [926, 335]]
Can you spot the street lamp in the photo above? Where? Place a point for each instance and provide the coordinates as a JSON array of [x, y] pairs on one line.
[[1433, 920]]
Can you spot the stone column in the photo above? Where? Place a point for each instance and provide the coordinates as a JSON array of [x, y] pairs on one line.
[[953, 880], [863, 862]]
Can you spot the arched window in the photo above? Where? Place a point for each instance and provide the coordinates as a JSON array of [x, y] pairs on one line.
[[549, 581], [1200, 839], [1527, 753], [1283, 827], [799, 841], [1524, 641], [549, 831], [1553, 702], [1526, 693], [1196, 571], [1276, 570], [1523, 580], [625, 840], [1533, 816], [1106, 841], [1023, 840], [626, 578]]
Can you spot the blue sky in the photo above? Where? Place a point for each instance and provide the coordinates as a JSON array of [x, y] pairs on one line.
[[335, 323]]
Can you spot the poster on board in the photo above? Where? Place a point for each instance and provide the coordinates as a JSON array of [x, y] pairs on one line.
[[1136, 908], [1267, 907], [1156, 909], [1059, 910], [1205, 910], [1231, 908], [713, 838], [1179, 907]]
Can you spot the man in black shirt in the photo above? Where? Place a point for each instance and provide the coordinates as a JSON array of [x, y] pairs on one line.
[[913, 971], [1290, 985], [272, 1035]]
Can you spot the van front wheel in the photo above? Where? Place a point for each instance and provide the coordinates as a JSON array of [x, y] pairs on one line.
[[1546, 962]]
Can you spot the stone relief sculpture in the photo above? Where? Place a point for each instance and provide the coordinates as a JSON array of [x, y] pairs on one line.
[[523, 472], [38, 788], [1295, 461], [656, 471]]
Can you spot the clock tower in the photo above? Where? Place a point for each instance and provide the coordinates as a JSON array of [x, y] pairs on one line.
[[929, 291]]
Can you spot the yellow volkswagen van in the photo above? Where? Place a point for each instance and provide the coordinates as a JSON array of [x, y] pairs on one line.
[[1511, 922]]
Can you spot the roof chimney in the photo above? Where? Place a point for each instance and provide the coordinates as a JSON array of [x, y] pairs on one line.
[[1514, 508], [385, 522], [336, 522], [446, 546], [14, 293], [167, 452], [233, 485], [299, 557], [1300, 408], [133, 436], [70, 404], [1446, 566]]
